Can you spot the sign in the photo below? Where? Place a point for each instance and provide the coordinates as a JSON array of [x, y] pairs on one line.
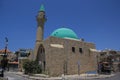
[[78, 62], [57, 45]]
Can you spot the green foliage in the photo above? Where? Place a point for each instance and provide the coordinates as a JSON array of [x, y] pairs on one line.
[[32, 67]]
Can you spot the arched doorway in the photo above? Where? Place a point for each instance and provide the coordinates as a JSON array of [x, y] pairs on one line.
[[41, 57]]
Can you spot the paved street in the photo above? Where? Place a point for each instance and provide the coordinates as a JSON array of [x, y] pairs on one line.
[[116, 77], [12, 76]]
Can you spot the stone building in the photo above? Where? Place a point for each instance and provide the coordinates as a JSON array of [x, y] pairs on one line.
[[63, 52], [112, 57], [9, 54], [22, 55]]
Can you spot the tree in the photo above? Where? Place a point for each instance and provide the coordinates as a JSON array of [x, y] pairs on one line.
[[32, 67]]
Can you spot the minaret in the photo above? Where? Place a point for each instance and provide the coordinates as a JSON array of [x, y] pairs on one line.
[[40, 29]]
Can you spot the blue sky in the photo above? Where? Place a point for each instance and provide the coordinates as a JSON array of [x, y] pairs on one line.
[[96, 21]]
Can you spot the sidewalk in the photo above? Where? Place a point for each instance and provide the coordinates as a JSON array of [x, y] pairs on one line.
[[63, 77], [87, 76], [1, 78]]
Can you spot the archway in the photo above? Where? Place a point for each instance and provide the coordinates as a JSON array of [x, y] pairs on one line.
[[41, 56]]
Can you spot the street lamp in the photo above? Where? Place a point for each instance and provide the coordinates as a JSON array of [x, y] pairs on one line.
[[6, 44], [4, 61]]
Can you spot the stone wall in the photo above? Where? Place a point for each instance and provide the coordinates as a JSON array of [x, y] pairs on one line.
[[62, 60]]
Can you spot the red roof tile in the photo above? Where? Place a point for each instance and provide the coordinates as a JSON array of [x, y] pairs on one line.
[[3, 50]]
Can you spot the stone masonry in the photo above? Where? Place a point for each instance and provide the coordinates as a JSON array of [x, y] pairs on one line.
[[62, 60]]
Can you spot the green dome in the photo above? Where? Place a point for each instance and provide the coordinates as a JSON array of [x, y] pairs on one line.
[[42, 8], [64, 33]]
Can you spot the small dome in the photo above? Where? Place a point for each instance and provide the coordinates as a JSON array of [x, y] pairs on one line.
[[64, 33]]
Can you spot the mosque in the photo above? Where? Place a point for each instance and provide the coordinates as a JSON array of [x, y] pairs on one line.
[[63, 52]]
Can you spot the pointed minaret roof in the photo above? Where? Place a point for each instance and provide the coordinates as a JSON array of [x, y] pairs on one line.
[[42, 8]]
